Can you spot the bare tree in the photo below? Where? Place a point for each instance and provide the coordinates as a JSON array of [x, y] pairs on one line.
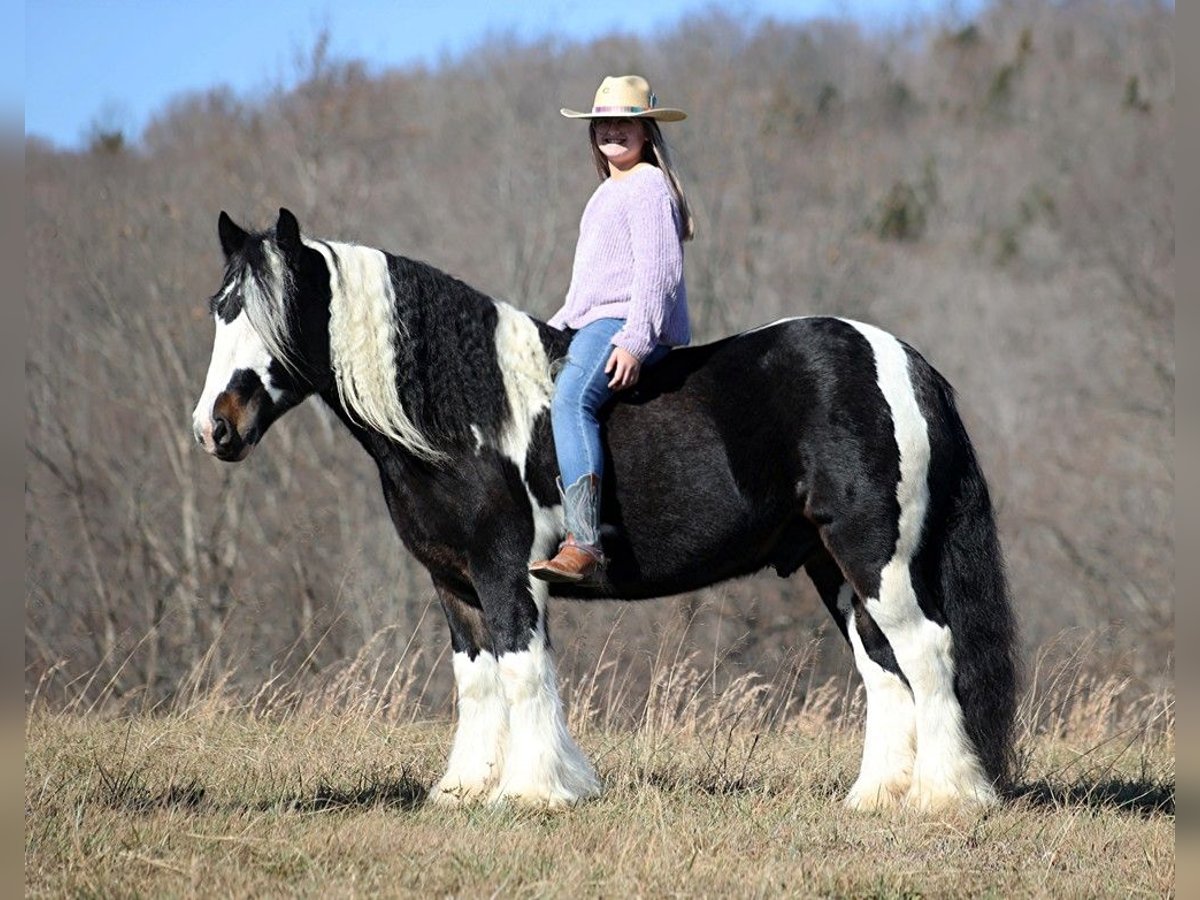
[[997, 191]]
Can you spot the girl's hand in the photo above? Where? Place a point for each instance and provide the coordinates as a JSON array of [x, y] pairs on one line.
[[624, 367]]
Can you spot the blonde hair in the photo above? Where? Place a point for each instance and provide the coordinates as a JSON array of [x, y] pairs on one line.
[[655, 152]]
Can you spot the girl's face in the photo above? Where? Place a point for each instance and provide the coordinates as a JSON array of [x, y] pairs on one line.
[[621, 141]]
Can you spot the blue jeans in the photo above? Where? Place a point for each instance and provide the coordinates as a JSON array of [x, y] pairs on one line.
[[579, 393]]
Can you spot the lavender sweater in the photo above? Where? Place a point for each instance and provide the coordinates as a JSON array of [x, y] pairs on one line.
[[629, 264]]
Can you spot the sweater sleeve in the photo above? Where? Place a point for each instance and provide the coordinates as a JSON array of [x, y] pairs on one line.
[[559, 319], [657, 267]]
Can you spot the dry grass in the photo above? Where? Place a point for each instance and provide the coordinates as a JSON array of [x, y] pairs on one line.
[[730, 791]]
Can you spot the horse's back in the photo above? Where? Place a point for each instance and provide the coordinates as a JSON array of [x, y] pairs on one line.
[[764, 387], [762, 433]]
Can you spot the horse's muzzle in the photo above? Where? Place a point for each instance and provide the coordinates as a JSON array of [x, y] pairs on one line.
[[232, 429], [228, 444]]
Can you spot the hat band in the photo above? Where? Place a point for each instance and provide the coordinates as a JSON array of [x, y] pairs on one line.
[[623, 109]]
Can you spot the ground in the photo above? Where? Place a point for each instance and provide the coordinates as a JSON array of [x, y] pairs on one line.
[[218, 801]]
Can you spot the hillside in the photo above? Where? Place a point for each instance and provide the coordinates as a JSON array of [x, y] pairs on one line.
[[998, 192]]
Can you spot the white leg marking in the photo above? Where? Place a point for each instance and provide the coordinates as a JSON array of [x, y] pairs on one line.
[[890, 744], [478, 752], [481, 741], [947, 770], [542, 763]]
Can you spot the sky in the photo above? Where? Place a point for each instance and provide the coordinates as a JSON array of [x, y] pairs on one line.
[[117, 62]]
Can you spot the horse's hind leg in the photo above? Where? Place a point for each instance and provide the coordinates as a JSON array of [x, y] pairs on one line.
[[889, 745], [947, 769], [542, 764], [477, 754], [874, 531]]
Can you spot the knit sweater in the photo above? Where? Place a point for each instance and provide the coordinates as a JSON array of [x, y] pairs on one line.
[[629, 264]]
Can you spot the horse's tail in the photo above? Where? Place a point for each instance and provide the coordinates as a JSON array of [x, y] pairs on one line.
[[965, 568]]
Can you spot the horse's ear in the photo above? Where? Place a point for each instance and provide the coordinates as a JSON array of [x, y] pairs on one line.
[[287, 230], [233, 236]]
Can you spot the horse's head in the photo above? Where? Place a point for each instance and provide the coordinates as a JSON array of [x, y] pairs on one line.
[[268, 347]]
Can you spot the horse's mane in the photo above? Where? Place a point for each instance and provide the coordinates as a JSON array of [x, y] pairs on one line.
[[266, 284], [412, 349], [447, 365]]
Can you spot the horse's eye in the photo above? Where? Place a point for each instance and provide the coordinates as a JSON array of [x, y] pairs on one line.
[[227, 302]]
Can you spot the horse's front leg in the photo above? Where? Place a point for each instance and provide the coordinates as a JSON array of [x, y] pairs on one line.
[[541, 763], [477, 755]]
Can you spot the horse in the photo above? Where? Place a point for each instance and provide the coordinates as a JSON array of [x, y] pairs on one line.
[[813, 442]]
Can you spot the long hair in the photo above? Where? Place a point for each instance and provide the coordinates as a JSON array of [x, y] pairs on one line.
[[656, 152]]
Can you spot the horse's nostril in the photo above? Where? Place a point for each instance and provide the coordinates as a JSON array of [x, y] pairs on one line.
[[221, 432]]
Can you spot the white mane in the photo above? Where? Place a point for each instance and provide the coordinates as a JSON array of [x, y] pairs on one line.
[[363, 329]]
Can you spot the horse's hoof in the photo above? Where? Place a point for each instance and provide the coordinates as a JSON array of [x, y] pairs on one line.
[[557, 800], [556, 796], [457, 795], [927, 797], [876, 797]]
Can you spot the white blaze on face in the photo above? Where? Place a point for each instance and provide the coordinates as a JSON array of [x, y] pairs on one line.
[[236, 346]]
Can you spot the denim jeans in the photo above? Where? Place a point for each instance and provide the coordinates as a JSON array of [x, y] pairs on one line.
[[580, 391]]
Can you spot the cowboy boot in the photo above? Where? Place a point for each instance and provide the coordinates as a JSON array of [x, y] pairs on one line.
[[579, 555]]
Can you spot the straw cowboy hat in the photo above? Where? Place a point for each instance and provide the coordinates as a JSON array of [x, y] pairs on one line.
[[626, 96]]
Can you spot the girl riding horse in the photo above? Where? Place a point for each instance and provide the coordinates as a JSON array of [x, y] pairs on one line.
[[627, 299]]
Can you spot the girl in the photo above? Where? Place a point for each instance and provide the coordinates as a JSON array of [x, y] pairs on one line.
[[627, 298]]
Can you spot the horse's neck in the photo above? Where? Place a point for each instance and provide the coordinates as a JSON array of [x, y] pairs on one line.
[[425, 360], [396, 464]]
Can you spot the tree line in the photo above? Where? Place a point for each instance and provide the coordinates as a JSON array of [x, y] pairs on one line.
[[998, 192]]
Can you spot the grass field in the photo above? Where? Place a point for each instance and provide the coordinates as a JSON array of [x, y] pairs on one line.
[[326, 799]]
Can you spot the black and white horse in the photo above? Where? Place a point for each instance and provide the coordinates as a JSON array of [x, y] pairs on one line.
[[815, 442]]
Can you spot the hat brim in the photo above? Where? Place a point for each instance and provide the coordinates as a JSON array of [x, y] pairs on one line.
[[661, 114]]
